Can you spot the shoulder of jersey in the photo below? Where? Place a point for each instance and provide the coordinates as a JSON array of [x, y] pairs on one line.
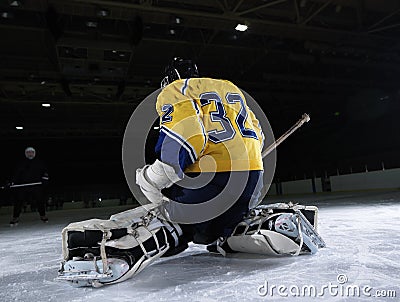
[[180, 86], [178, 90], [209, 81]]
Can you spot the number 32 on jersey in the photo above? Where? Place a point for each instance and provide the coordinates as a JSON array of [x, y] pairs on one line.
[[220, 116]]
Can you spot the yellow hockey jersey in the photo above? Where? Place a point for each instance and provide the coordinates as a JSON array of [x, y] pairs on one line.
[[206, 126]]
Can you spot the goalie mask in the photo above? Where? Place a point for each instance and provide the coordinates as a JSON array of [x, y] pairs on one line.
[[179, 69]]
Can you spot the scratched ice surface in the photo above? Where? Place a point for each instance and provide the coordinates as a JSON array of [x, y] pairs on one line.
[[362, 232]]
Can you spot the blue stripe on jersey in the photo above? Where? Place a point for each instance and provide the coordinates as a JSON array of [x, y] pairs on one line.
[[203, 130], [185, 86], [195, 107], [172, 149], [189, 148]]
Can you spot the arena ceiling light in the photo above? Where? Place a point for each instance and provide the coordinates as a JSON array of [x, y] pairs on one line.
[[91, 24], [241, 27], [7, 15], [19, 127], [46, 105], [103, 13], [16, 3]]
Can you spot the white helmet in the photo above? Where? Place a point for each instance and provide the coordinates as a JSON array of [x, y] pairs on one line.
[[30, 153]]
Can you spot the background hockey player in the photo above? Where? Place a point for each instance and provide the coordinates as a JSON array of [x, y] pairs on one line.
[[205, 127], [28, 171]]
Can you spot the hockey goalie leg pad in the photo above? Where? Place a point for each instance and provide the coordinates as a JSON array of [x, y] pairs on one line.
[[98, 252], [280, 229], [264, 241]]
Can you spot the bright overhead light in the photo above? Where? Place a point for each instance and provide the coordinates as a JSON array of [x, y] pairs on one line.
[[15, 3], [241, 27], [178, 20], [42, 82], [19, 128], [172, 31], [46, 105]]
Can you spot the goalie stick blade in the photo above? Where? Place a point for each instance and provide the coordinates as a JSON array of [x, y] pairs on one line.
[[90, 272]]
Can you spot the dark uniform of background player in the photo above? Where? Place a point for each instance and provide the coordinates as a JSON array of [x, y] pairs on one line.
[[30, 170]]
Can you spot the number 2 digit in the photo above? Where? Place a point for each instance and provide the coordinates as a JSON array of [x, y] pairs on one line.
[[242, 115], [167, 109]]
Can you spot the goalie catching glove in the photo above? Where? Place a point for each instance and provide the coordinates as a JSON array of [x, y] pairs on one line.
[[153, 178]]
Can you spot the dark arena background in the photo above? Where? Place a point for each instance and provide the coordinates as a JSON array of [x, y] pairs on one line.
[[73, 72]]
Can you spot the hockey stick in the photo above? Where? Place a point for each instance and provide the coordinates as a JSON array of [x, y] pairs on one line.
[[23, 185], [304, 119]]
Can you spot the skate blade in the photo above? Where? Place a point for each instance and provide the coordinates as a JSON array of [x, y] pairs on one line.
[[90, 273], [80, 281], [83, 276]]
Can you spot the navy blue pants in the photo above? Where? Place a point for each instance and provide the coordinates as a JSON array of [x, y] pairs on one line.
[[33, 195], [222, 225]]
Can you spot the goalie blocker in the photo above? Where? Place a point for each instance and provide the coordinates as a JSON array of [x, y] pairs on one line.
[[99, 252]]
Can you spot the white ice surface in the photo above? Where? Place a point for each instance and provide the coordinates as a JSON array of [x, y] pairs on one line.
[[362, 233]]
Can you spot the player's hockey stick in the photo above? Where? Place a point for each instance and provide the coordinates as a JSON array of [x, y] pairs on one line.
[[304, 119], [23, 185]]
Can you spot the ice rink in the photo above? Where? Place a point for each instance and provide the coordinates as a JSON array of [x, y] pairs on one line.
[[362, 232]]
